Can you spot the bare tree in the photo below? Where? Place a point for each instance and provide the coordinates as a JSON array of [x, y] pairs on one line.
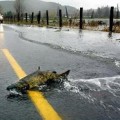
[[19, 7]]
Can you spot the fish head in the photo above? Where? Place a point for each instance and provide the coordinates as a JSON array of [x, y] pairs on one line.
[[11, 87]]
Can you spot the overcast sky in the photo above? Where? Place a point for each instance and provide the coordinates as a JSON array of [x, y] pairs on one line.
[[86, 4]]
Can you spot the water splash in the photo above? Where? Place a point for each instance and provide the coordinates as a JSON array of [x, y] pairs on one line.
[[71, 88], [103, 83], [14, 92], [93, 89], [117, 63]]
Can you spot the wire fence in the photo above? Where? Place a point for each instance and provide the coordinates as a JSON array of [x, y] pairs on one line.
[[109, 24]]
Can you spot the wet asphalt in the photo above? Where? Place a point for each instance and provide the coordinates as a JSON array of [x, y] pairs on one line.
[[69, 105]]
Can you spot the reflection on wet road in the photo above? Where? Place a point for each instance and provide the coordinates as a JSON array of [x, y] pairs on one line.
[[1, 35]]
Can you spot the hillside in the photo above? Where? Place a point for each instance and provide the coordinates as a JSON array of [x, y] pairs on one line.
[[7, 6], [37, 5]]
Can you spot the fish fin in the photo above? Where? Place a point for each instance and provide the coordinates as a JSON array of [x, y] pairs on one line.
[[65, 74]]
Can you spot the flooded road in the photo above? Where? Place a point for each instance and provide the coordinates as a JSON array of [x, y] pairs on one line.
[[92, 91]]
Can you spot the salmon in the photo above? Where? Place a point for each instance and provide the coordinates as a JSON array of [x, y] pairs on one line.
[[36, 79]]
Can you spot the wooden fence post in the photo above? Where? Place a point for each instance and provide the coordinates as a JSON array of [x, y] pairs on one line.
[[18, 17], [39, 17], [111, 20], [32, 17], [26, 17], [81, 18], [60, 18], [47, 17]]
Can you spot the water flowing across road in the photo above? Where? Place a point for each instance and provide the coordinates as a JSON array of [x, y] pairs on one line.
[[91, 43], [99, 87]]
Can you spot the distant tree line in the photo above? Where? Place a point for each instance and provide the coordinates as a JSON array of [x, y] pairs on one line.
[[101, 12]]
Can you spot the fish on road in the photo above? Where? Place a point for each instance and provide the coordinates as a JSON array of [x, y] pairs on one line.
[[36, 79]]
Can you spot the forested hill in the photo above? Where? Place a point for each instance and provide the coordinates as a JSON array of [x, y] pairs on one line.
[[36, 5]]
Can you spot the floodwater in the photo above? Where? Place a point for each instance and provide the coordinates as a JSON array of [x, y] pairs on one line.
[[93, 87], [95, 44]]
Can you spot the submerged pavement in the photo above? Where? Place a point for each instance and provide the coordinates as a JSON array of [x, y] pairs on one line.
[[87, 96]]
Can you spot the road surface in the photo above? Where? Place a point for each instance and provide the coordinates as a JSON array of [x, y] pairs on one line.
[[92, 92]]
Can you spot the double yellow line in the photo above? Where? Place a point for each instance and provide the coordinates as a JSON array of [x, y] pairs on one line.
[[45, 110]]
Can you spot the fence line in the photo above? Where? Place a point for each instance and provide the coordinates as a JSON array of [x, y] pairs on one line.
[[62, 21]]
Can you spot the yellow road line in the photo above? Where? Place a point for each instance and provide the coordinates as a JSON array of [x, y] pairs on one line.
[[44, 108], [18, 70]]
